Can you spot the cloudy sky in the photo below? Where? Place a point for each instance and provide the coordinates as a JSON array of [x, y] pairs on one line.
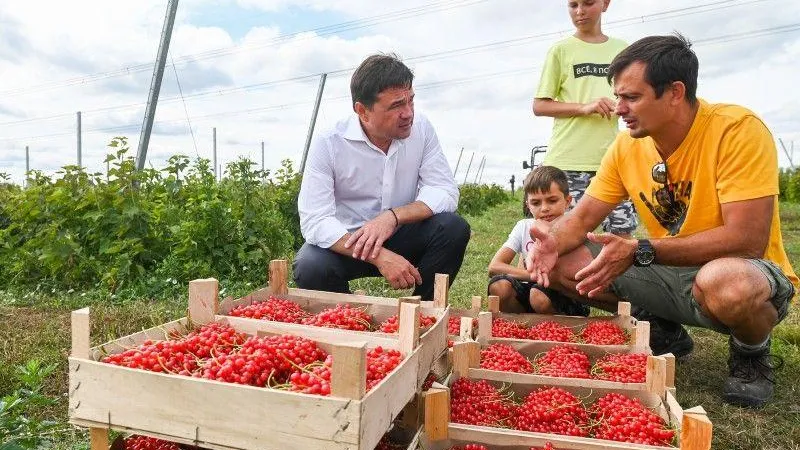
[[251, 69]]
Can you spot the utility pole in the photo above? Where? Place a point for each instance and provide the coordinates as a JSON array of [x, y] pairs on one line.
[[480, 167], [215, 153], [483, 167], [468, 167], [155, 84], [27, 164], [80, 163], [458, 162], [789, 154], [321, 88], [262, 156]]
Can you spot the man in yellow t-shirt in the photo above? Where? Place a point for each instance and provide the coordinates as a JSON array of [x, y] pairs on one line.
[[574, 91], [704, 179]]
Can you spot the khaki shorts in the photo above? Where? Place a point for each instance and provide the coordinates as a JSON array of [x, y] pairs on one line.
[[666, 291]]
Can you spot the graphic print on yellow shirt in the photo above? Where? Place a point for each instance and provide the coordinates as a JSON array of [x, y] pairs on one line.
[[728, 155]]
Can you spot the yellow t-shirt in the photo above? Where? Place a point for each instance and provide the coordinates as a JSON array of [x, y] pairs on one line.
[[575, 72], [728, 155]]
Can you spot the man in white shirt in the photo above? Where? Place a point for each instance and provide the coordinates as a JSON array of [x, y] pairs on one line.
[[378, 197]]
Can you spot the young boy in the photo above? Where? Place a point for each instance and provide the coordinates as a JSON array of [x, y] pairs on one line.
[[574, 91], [547, 197]]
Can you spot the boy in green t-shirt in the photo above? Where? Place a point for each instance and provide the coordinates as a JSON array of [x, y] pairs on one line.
[[574, 91]]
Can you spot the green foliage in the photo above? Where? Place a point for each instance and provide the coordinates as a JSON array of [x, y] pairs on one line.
[[17, 429], [79, 230], [476, 199]]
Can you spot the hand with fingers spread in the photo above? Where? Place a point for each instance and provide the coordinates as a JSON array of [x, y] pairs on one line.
[[368, 240], [400, 273], [542, 255], [614, 259], [603, 106]]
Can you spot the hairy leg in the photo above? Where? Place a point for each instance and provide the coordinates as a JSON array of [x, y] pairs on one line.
[[508, 296]]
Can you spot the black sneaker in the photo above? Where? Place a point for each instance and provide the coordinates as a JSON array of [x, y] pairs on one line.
[[751, 381], [666, 336]]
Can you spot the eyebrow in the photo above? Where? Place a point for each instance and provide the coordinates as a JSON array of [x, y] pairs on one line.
[[401, 101]]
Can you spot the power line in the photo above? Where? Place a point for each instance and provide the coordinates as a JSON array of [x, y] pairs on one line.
[[662, 15], [185, 109]]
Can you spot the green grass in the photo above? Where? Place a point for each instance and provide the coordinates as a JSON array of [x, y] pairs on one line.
[[37, 326]]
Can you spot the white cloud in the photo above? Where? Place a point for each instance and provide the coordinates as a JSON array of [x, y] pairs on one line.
[[478, 98]]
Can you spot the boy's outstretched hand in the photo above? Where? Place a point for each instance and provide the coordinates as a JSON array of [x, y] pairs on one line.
[[614, 259], [542, 256]]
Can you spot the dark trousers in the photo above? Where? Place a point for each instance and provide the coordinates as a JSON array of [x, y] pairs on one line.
[[435, 245]]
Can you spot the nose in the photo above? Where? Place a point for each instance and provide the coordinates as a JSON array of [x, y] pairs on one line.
[[407, 111], [621, 109]]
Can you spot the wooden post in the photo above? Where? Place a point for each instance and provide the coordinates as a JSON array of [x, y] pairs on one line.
[[414, 300], [477, 303], [203, 300], [494, 303], [80, 333], [465, 331], [623, 309], [441, 290], [465, 355], [437, 413], [656, 375], [98, 438], [484, 327], [278, 273], [409, 328], [641, 335], [349, 371], [696, 430], [670, 359]]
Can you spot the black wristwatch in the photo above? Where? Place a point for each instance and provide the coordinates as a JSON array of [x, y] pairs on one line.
[[645, 254]]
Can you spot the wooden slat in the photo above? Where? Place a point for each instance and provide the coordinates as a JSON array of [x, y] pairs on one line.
[[349, 371], [332, 335], [437, 413], [465, 356], [98, 438], [203, 300], [542, 380], [415, 299], [278, 276], [504, 438], [494, 303], [696, 432], [656, 375], [641, 336], [674, 408], [265, 418], [466, 331], [484, 327], [670, 359], [477, 303], [441, 290], [80, 333], [624, 309], [341, 298], [409, 327]]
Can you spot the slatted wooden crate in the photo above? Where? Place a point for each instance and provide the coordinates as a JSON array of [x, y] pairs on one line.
[[219, 415], [693, 427], [433, 340], [638, 331]]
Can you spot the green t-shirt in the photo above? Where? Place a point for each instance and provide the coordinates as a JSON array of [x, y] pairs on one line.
[[575, 72]]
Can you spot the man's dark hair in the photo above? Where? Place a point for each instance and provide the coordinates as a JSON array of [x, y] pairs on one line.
[[376, 74], [667, 58]]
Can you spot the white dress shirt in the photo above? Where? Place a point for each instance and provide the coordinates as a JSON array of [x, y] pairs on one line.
[[349, 181]]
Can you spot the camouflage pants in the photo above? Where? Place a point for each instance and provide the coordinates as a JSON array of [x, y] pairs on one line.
[[622, 220]]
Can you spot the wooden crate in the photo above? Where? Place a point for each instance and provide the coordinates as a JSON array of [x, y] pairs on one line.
[[219, 415], [433, 341], [638, 330], [660, 372], [693, 426]]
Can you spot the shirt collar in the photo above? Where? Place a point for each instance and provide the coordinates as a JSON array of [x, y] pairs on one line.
[[354, 132]]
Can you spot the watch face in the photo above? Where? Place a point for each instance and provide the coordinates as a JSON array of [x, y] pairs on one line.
[[645, 256]]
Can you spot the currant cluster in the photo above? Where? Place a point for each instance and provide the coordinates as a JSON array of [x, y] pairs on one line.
[[552, 410], [603, 333], [564, 361], [547, 446], [479, 403], [380, 362], [274, 309], [624, 419], [261, 360], [508, 329], [551, 331], [504, 358], [470, 447], [137, 442], [429, 381], [341, 316], [392, 324], [315, 378], [621, 367], [182, 355]]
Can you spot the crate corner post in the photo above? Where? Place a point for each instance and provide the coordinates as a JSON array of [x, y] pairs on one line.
[[203, 300], [279, 277]]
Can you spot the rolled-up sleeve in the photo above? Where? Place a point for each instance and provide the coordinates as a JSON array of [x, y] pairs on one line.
[[316, 204], [437, 187]]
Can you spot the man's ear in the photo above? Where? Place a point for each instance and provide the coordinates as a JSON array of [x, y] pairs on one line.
[[360, 110], [678, 92]]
